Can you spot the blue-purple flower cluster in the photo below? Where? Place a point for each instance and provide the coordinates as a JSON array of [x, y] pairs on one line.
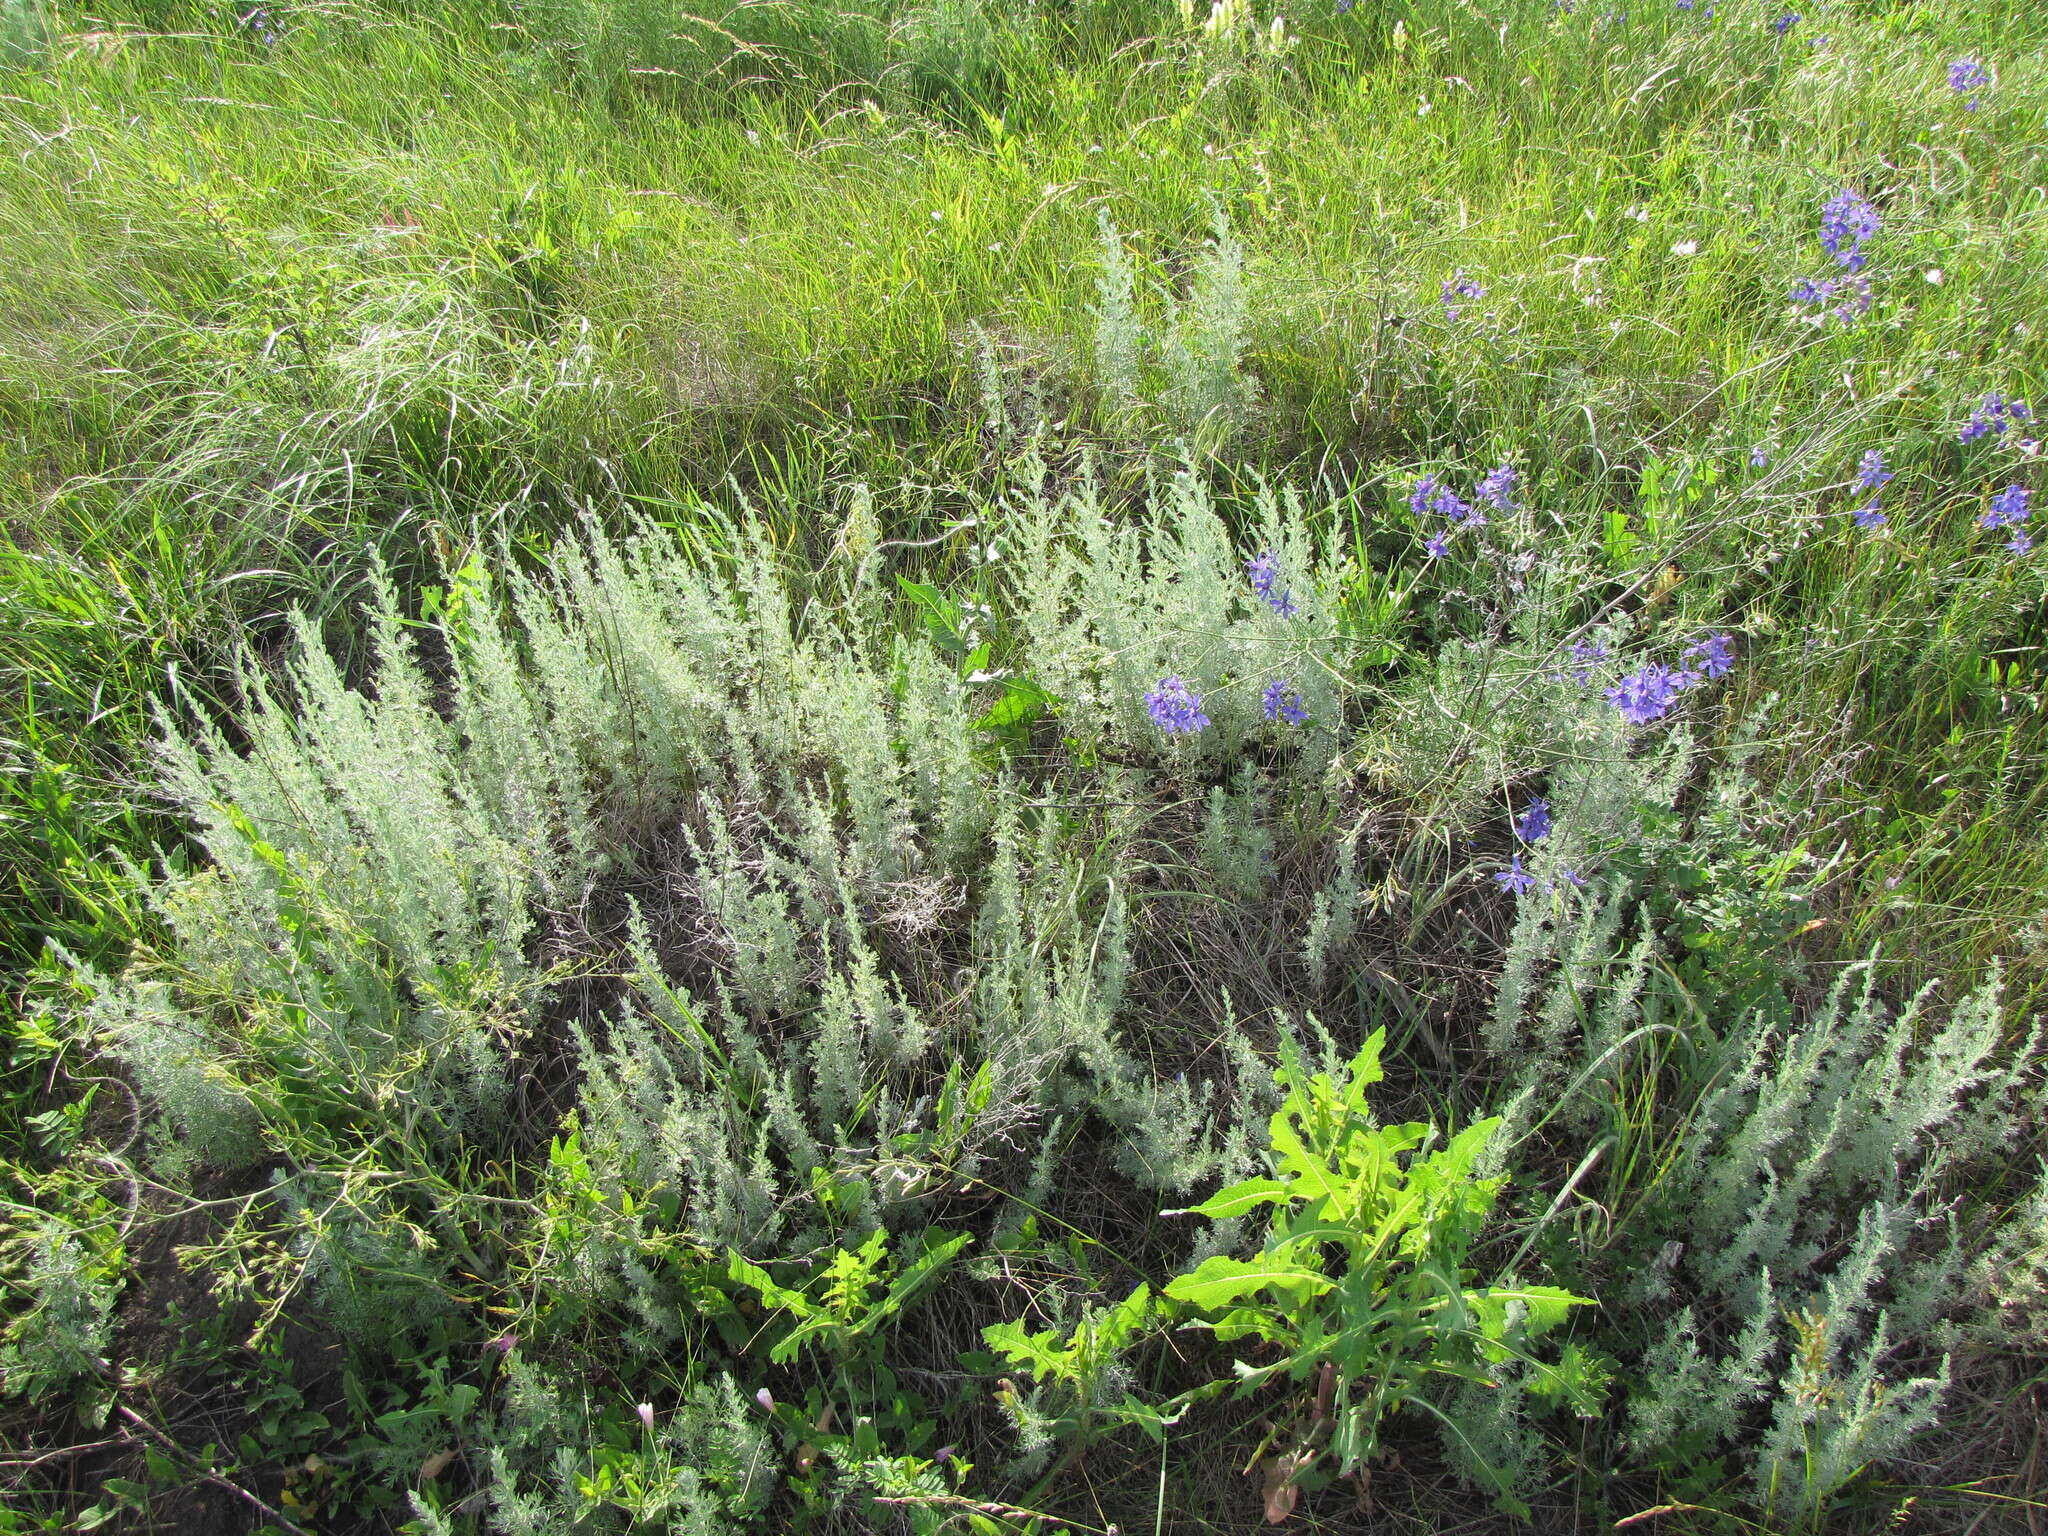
[[1786, 22], [1519, 881], [1176, 708], [1966, 77], [1651, 691], [1515, 878], [1458, 286], [1586, 655], [1283, 704], [1848, 222], [1853, 292], [1993, 416], [1871, 475], [1533, 825], [1264, 573], [1432, 498], [2009, 510]]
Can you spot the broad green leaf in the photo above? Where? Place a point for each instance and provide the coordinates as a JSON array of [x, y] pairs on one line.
[[1221, 1280], [1121, 1322], [1022, 700], [746, 1272], [1312, 1176], [1546, 1306], [1239, 1198], [1038, 1353], [937, 1255], [786, 1347], [1456, 1160], [1365, 1070]]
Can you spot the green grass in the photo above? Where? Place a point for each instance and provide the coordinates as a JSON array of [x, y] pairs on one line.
[[410, 281]]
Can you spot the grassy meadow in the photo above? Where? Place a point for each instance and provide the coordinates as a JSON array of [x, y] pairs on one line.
[[903, 766]]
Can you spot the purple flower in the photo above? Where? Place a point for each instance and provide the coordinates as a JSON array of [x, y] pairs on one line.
[[1854, 292], [1647, 694], [1870, 472], [1284, 704], [1588, 654], [1264, 572], [1759, 457], [1534, 823], [2019, 543], [1459, 512], [1855, 289], [1447, 503], [1498, 488], [2008, 508], [1438, 545], [1715, 655], [1431, 495], [1994, 415], [1570, 877], [1847, 223], [1868, 516], [1176, 708], [1786, 22], [1514, 877], [1459, 286], [1966, 77]]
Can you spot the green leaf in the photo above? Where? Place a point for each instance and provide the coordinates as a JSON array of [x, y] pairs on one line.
[[1038, 1353], [785, 1348], [1022, 700], [1221, 1280], [745, 1272], [938, 1253], [1455, 1161], [1239, 1198], [1547, 1306]]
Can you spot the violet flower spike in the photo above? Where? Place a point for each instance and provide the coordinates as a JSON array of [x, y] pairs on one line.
[[1514, 877], [1263, 570], [1283, 705], [1176, 708], [1714, 653], [1648, 693], [2008, 508], [1848, 222]]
